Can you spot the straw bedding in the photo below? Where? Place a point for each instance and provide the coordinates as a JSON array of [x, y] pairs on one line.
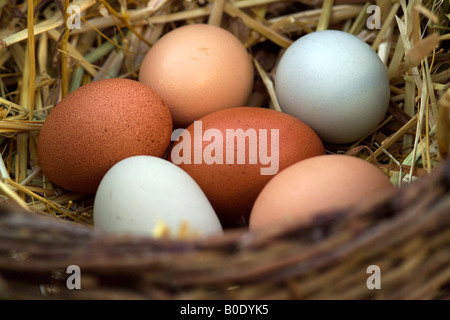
[[44, 229]]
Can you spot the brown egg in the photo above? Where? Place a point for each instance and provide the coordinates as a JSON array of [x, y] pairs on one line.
[[231, 168], [198, 69], [316, 185], [96, 126]]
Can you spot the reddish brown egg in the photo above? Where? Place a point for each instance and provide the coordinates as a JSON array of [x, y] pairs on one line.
[[98, 125], [233, 153], [315, 186]]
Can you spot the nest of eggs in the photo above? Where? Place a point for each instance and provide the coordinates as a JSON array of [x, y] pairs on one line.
[[405, 232]]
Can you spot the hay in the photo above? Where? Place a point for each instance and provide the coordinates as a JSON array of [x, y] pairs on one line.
[[41, 61]]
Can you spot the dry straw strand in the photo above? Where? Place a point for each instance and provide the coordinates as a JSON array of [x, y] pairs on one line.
[[325, 15], [46, 25]]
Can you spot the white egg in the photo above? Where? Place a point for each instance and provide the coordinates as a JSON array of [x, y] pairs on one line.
[[150, 196], [334, 82]]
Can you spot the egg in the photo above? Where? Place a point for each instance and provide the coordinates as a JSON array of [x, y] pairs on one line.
[[316, 185], [198, 69], [334, 82], [97, 125], [149, 196], [233, 153]]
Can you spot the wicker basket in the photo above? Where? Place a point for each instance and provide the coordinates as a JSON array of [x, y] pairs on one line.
[[406, 234]]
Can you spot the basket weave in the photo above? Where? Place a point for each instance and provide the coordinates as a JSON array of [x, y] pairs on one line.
[[405, 233]]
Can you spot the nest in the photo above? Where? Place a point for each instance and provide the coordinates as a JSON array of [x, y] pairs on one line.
[[403, 235], [406, 234]]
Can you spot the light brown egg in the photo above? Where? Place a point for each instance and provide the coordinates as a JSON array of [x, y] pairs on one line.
[[198, 69], [96, 126], [274, 141], [316, 185]]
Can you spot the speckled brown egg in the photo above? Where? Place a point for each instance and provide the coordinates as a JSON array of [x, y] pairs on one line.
[[98, 125], [233, 153], [198, 69], [316, 186]]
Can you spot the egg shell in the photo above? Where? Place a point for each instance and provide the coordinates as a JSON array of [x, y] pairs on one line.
[[140, 194], [96, 126], [198, 69], [334, 82], [231, 187], [316, 186]]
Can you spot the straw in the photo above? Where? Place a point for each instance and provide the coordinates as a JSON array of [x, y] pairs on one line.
[[268, 33], [46, 25], [215, 17], [325, 14], [405, 233], [269, 85], [43, 61]]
